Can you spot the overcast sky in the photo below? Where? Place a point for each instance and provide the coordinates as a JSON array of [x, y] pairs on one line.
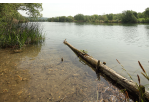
[[53, 8]]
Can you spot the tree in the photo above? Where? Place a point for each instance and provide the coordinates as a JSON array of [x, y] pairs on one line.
[[56, 19], [95, 16], [69, 19], [87, 18], [118, 16], [100, 17], [105, 18], [135, 14], [146, 13], [51, 19], [12, 33], [140, 15], [11, 9], [110, 16], [62, 19], [128, 17], [9, 12], [79, 17]]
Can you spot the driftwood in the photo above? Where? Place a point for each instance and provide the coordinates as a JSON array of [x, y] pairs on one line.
[[129, 85]]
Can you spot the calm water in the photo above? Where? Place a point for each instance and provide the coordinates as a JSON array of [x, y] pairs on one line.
[[128, 43], [37, 74]]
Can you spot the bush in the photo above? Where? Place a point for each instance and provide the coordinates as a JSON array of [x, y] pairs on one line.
[[147, 20], [143, 20], [79, 17], [128, 17]]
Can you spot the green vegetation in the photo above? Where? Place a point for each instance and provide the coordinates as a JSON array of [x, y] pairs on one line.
[[140, 87], [84, 51], [128, 16], [13, 31], [61, 19], [39, 19]]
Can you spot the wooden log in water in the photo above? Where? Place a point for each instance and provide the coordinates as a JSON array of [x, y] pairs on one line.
[[129, 85]]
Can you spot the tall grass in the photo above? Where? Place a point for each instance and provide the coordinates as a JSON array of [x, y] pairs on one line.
[[141, 88], [12, 35], [144, 74]]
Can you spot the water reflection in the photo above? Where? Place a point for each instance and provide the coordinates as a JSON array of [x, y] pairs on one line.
[[129, 25]]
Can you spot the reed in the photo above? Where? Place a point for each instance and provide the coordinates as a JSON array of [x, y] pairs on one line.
[[144, 74], [124, 69], [141, 67], [138, 79], [141, 88], [19, 34]]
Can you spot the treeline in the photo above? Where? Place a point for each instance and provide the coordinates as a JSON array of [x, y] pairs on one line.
[[61, 19], [39, 19], [128, 16]]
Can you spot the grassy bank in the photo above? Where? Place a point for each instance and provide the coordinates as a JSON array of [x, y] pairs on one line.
[[17, 35]]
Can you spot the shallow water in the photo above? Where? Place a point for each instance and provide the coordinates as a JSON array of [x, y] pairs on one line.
[[37, 73]]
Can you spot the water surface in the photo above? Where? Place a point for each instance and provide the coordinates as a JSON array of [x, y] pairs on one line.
[[107, 42], [37, 74]]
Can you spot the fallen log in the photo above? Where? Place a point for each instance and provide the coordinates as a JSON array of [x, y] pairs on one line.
[[129, 85]]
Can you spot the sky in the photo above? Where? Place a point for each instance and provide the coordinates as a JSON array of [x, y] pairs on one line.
[[54, 8]]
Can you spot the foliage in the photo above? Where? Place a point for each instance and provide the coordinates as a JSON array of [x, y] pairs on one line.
[[84, 51], [117, 16], [128, 17], [11, 9], [62, 19], [140, 87], [146, 13], [79, 17], [135, 14], [69, 19], [110, 16], [87, 18], [39, 19], [140, 15], [21, 34], [12, 29], [144, 72]]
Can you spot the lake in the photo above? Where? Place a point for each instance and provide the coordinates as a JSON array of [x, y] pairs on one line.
[[37, 74], [128, 43]]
